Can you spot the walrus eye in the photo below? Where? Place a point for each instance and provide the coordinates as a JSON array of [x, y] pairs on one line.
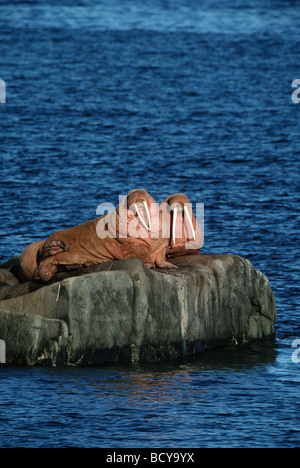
[[140, 218], [186, 212]]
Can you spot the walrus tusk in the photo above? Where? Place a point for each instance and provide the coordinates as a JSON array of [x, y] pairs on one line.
[[190, 221], [148, 215], [174, 223], [140, 217]]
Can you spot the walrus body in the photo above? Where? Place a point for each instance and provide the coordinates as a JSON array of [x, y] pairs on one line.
[[111, 237], [28, 261]]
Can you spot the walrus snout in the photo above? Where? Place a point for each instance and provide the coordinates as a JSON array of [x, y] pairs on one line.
[[178, 204], [138, 202]]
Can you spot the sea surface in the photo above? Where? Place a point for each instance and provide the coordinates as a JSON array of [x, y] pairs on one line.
[[171, 96]]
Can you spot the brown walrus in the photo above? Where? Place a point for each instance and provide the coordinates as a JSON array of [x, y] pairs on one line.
[[126, 232], [185, 234], [28, 261]]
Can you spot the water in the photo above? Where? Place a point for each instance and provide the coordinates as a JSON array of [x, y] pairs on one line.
[[170, 96]]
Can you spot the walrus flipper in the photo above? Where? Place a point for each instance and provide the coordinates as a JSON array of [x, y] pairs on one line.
[[45, 271], [50, 248], [160, 261]]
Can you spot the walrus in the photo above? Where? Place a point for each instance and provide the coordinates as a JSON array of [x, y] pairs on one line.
[[126, 232], [28, 261], [185, 235]]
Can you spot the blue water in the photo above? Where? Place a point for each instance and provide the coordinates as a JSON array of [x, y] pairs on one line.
[[172, 96]]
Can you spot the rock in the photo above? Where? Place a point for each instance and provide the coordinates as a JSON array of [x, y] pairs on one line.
[[13, 266], [9, 292], [7, 278], [121, 312], [31, 339]]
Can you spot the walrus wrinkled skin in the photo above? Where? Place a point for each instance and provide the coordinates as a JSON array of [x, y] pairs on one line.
[[28, 261], [126, 232], [186, 235]]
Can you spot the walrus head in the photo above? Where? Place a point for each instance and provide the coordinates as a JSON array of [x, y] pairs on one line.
[[130, 220], [139, 203], [185, 235], [133, 230]]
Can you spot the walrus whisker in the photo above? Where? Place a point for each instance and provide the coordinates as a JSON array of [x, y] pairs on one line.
[[148, 215], [174, 223], [140, 217], [186, 211]]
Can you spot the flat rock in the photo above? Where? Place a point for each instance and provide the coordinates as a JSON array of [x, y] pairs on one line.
[[121, 312]]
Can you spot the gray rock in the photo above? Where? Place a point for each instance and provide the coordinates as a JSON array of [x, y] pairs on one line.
[[7, 278], [31, 339], [13, 266], [123, 312], [9, 292]]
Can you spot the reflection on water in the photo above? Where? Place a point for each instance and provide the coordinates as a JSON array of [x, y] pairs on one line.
[[208, 401], [164, 382]]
